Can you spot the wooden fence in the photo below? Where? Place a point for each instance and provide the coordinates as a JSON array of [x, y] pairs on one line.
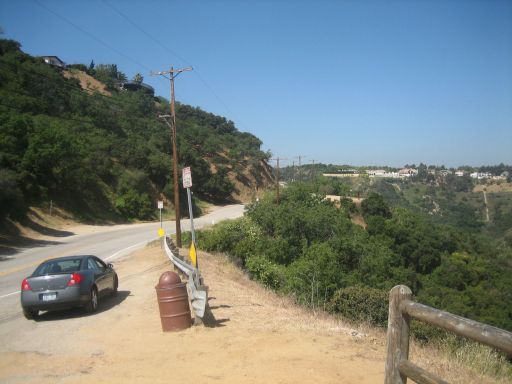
[[402, 309]]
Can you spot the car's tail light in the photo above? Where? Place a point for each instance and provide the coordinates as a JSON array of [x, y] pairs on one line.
[[76, 278], [25, 286]]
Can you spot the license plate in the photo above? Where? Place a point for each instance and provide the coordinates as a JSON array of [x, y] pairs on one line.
[[49, 296]]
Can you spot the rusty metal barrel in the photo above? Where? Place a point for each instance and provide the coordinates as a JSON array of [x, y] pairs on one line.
[[172, 298]]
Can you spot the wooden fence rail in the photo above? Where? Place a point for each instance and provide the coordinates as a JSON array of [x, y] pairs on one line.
[[402, 309]]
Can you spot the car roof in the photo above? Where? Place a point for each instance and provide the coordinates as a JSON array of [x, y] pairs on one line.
[[75, 257]]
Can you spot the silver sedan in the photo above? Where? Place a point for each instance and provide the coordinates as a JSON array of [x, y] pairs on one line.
[[65, 282]]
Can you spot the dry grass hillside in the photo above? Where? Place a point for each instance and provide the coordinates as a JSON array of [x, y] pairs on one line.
[[250, 181], [87, 82]]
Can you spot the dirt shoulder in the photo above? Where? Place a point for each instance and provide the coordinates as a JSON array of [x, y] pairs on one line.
[[254, 337]]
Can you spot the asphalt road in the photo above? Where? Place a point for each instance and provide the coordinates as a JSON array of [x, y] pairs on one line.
[[108, 243]]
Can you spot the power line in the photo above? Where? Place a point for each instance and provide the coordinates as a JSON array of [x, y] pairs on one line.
[[144, 32], [172, 52], [61, 91], [78, 88], [205, 83], [90, 35], [49, 116]]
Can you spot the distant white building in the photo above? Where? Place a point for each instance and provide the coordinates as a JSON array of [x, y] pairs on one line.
[[480, 175], [459, 173], [407, 172], [340, 174], [382, 173], [376, 172]]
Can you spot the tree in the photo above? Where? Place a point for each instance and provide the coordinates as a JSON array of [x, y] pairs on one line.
[[138, 78], [374, 205]]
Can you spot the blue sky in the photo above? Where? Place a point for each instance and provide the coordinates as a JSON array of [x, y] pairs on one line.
[[344, 82]]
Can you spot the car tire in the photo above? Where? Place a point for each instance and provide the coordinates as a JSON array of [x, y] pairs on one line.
[[92, 304], [30, 314], [116, 286]]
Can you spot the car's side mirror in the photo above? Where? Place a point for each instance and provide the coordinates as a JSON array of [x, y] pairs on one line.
[[110, 266]]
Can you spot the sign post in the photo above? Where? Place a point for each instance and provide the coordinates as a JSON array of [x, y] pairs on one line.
[[187, 183], [160, 207]]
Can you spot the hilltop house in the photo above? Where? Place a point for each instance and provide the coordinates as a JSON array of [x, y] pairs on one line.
[[54, 60], [135, 86]]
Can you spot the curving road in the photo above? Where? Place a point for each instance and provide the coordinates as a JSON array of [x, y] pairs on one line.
[[108, 243]]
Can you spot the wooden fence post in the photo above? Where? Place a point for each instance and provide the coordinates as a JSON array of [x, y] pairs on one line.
[[398, 335]]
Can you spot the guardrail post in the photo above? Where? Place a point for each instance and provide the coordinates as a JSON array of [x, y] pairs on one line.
[[398, 335]]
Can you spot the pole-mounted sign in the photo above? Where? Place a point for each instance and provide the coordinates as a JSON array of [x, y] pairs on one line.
[[160, 207], [187, 178], [187, 183]]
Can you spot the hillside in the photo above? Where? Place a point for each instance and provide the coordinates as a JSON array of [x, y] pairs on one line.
[[74, 139]]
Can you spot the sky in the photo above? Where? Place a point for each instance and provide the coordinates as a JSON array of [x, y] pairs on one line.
[[341, 82]]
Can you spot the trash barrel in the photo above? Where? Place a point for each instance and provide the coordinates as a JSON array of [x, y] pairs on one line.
[[172, 299]]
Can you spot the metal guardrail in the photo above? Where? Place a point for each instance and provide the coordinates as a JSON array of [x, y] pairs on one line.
[[198, 292], [402, 309]]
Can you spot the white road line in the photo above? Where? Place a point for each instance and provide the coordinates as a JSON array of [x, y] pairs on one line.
[[127, 248], [9, 294]]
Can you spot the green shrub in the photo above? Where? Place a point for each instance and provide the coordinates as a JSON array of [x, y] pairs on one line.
[[269, 274], [134, 205], [314, 277], [239, 238], [361, 303]]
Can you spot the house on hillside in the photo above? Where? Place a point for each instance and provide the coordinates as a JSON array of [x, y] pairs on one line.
[[407, 172], [459, 173], [136, 86], [480, 175], [54, 60]]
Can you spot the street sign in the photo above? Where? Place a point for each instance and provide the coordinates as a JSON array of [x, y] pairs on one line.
[[160, 204], [187, 177], [161, 232], [193, 255]]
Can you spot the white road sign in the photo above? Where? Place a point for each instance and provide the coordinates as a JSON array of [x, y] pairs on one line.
[[187, 177]]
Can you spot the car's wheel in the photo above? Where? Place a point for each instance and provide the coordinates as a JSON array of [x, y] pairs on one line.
[[116, 285], [92, 304], [30, 314]]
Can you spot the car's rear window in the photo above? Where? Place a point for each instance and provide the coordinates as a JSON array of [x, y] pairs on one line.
[[58, 266]]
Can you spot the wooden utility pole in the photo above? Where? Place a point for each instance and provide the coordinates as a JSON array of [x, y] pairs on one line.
[[173, 73], [300, 166], [277, 177]]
